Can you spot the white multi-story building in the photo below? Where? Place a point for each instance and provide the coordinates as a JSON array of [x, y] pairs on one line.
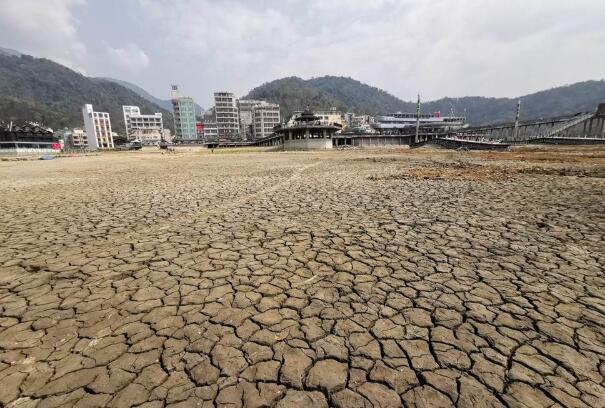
[[147, 129], [266, 117], [74, 139], [246, 119], [227, 115], [210, 131], [77, 139], [98, 128]]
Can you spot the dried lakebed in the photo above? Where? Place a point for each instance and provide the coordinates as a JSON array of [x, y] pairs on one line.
[[348, 279]]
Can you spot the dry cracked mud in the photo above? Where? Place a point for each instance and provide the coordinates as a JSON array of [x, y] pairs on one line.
[[302, 280]]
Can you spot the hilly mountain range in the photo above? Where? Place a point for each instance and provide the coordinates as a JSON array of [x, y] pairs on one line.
[[349, 95], [37, 89]]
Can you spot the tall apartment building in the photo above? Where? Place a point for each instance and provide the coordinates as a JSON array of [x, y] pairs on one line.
[[265, 118], [184, 116], [147, 129], [227, 115], [245, 117], [98, 128]]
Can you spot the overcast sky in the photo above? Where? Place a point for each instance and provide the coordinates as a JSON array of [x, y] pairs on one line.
[[433, 47]]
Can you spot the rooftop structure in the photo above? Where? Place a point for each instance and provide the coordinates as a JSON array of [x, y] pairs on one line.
[[329, 115], [308, 132], [98, 128]]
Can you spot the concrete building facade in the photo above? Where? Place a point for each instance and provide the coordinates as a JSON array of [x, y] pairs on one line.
[[147, 129], [265, 118], [210, 131], [75, 139], [98, 128], [227, 115], [210, 127], [245, 117], [184, 117]]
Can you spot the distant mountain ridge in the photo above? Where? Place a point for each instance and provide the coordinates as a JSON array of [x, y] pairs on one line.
[[37, 89], [163, 103], [41, 90], [349, 95], [9, 51]]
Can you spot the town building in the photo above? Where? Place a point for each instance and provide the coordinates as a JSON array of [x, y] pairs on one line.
[[308, 132], [361, 124], [184, 117], [27, 138], [75, 139], [210, 131], [330, 115], [78, 139], [199, 129], [245, 117], [227, 115], [98, 128], [406, 123], [265, 119], [210, 126], [148, 129]]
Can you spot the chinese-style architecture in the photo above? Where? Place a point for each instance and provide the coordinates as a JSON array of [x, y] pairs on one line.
[[308, 132], [27, 138]]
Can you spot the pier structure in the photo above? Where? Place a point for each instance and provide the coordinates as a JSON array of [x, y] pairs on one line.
[[581, 128]]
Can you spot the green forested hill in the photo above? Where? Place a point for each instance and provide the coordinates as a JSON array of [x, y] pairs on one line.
[[353, 96], [40, 90], [37, 89], [294, 94], [359, 97]]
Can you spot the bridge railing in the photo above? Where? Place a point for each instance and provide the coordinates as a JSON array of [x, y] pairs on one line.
[[554, 132]]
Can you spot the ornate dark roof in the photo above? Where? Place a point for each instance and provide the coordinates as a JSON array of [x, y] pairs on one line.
[[24, 128], [307, 116]]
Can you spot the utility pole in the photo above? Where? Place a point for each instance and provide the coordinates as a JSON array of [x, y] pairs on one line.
[[416, 139], [516, 133]]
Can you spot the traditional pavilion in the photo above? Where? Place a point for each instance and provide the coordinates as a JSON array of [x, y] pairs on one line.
[[308, 133], [27, 138]]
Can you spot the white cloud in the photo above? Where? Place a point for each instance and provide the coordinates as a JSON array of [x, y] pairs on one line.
[[130, 58], [43, 28], [435, 47]]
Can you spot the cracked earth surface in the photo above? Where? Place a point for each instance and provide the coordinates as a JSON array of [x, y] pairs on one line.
[[299, 280]]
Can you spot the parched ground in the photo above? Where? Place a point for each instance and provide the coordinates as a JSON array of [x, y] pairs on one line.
[[348, 278]]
